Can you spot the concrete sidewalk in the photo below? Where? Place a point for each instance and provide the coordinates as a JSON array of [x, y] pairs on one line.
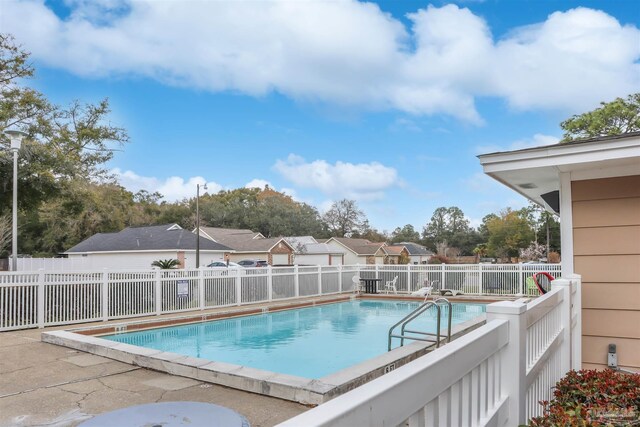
[[44, 384]]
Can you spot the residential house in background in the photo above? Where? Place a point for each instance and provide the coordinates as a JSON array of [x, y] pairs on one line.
[[418, 254], [138, 247], [358, 251], [395, 254], [308, 251], [249, 244], [594, 185]]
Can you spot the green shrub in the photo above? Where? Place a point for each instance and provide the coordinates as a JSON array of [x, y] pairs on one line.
[[166, 264], [593, 398]]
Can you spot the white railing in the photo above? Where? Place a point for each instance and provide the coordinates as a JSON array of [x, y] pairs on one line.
[[45, 298], [473, 279], [495, 375]]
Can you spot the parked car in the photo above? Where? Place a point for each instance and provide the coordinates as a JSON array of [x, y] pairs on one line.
[[223, 264], [253, 263]]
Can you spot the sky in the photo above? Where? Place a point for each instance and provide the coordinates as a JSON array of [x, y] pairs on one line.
[[387, 103]]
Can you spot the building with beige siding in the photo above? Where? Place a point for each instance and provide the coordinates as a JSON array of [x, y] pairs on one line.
[[594, 185]]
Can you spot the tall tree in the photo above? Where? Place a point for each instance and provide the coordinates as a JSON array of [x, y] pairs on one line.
[[508, 233], [611, 118], [449, 227], [64, 146], [405, 234], [267, 211], [370, 233], [345, 218]]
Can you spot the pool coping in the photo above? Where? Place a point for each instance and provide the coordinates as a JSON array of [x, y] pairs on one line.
[[288, 387]]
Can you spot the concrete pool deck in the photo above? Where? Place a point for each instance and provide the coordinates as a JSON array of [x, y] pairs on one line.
[[46, 384]]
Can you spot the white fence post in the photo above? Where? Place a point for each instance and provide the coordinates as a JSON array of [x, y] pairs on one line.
[[409, 281], [480, 284], [565, 319], [40, 305], [442, 282], [319, 280], [201, 287], [296, 280], [340, 278], [158, 285], [105, 296], [576, 320], [513, 366], [520, 281], [269, 282], [238, 286]]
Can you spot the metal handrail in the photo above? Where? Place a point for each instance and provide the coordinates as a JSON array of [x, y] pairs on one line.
[[437, 303]]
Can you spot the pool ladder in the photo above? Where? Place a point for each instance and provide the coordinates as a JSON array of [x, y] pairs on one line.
[[422, 335]]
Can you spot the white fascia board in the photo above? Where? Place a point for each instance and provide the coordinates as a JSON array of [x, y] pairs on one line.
[[562, 154], [282, 240], [204, 234], [344, 246]]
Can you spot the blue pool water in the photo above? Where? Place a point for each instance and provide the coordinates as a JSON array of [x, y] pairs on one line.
[[309, 342]]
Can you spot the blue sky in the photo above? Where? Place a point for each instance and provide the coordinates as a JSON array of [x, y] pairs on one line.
[[387, 103]]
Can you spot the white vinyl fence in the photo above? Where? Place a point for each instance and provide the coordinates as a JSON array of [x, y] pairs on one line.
[[45, 298], [493, 376]]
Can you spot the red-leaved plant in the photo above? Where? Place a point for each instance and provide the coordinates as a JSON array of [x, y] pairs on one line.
[[593, 398]]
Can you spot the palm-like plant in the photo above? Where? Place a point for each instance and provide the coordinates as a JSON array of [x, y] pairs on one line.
[[166, 264]]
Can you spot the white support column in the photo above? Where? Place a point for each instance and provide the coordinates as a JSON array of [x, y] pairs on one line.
[[566, 223], [576, 330], [269, 283], [158, 285], [40, 306], [513, 368], [296, 281], [105, 296], [201, 287]]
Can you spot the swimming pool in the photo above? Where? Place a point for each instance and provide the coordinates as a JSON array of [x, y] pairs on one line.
[[309, 342]]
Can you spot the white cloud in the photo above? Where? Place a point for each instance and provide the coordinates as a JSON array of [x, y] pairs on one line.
[[173, 188], [341, 52], [362, 181], [258, 183]]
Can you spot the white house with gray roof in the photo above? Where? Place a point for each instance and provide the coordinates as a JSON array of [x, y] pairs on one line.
[[309, 252], [418, 254], [138, 247]]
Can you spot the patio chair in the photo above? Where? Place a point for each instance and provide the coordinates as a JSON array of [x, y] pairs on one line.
[[425, 292], [391, 285], [357, 283]]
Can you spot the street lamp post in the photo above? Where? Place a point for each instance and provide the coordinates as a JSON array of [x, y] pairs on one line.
[[15, 136], [204, 186]]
